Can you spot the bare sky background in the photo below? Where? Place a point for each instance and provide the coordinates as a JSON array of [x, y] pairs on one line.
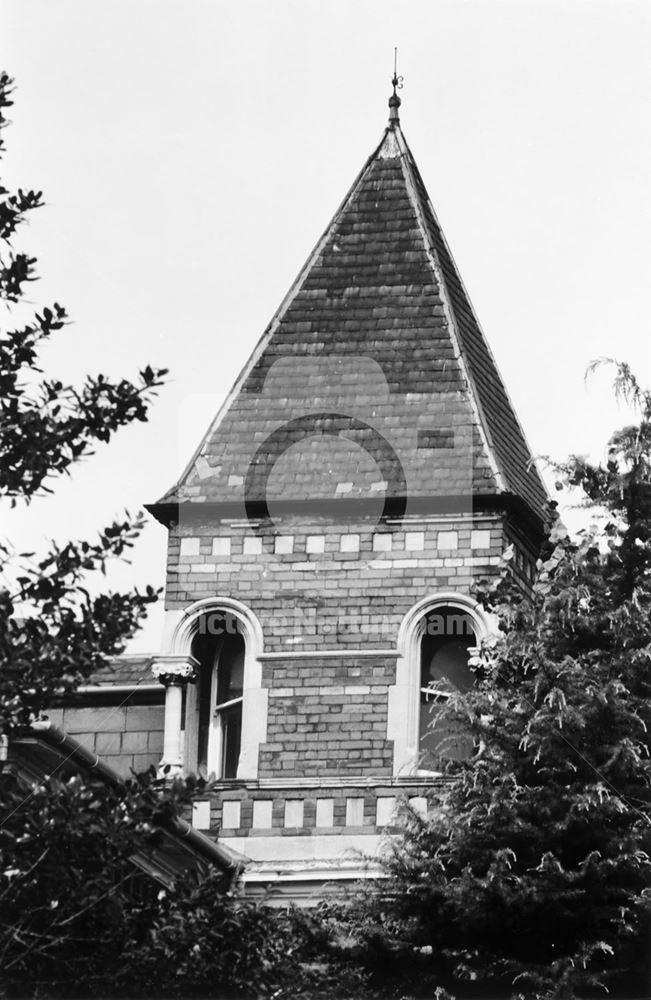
[[192, 151]]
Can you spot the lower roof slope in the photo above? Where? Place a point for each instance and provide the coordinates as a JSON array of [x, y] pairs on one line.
[[175, 849]]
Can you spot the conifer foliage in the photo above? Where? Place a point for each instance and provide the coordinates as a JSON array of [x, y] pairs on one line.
[[534, 872]]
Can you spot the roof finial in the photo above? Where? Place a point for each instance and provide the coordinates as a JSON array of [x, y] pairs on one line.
[[394, 100]]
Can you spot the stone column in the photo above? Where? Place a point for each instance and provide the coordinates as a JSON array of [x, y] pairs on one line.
[[174, 672]]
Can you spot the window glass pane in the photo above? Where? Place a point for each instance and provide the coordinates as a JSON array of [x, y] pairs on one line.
[[440, 739], [204, 646], [444, 663], [231, 720], [204, 714], [444, 668], [230, 683], [230, 669]]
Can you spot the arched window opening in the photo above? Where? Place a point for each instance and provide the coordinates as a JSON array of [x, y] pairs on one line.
[[219, 647], [448, 635]]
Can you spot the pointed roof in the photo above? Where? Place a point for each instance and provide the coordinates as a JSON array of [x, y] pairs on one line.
[[374, 375]]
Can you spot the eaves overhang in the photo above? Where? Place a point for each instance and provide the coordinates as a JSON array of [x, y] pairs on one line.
[[171, 513]]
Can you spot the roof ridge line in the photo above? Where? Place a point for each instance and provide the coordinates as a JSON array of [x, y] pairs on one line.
[[407, 161], [475, 317], [274, 322]]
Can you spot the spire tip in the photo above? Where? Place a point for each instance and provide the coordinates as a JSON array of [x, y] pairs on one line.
[[394, 100]]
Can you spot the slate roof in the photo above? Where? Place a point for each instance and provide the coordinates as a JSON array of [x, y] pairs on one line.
[[176, 850], [373, 375], [134, 670]]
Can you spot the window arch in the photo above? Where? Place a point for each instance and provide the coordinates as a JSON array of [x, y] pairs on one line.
[[433, 644], [225, 711]]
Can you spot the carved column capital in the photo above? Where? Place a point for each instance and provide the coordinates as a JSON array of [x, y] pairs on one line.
[[175, 670]]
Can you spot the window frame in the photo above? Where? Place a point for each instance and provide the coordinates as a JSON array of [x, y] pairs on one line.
[[216, 752], [254, 696], [403, 721], [438, 692]]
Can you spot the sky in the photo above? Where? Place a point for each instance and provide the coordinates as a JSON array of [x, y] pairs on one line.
[[191, 152]]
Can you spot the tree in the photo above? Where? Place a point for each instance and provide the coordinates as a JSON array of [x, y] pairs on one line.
[[71, 898], [78, 918], [534, 869], [53, 634]]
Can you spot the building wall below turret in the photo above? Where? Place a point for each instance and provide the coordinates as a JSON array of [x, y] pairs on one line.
[[126, 736]]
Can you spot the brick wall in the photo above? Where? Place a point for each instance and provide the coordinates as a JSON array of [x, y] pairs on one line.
[[523, 563], [326, 584], [327, 717], [311, 809]]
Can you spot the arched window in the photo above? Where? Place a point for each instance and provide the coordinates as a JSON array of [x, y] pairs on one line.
[[447, 637], [220, 649], [432, 661], [225, 710]]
